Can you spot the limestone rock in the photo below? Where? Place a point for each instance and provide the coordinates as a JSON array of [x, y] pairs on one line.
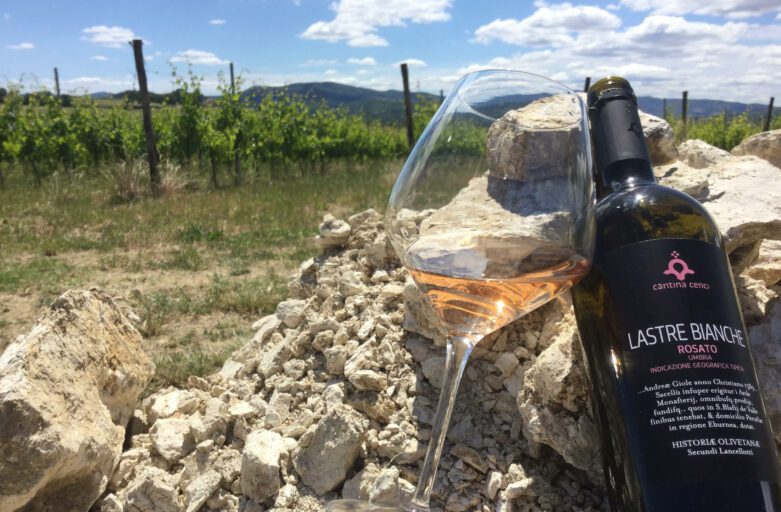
[[512, 229], [323, 464], [699, 154], [386, 489], [172, 438], [333, 232], [109, 503], [766, 351], [753, 297], [765, 145], [734, 192], [260, 463], [280, 351], [554, 401], [152, 490], [212, 423], [547, 124], [357, 488], [767, 265], [67, 391], [660, 139], [687, 179], [350, 284], [201, 489], [170, 402], [743, 206], [434, 368], [369, 380], [506, 363], [291, 312], [494, 482], [420, 316]]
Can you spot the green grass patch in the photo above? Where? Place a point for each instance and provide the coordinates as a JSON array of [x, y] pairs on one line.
[[247, 297], [174, 367], [39, 273], [187, 259], [194, 354]]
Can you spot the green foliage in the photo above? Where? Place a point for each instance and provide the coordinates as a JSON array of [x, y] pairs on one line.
[[40, 136], [721, 130]]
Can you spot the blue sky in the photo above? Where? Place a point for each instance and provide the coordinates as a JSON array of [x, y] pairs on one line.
[[726, 49]]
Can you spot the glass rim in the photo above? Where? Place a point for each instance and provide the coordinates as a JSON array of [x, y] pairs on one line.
[[488, 71]]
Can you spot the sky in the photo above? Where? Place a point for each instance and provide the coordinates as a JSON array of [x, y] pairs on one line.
[[716, 49]]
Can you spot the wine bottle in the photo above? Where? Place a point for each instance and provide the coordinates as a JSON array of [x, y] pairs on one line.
[[674, 391]]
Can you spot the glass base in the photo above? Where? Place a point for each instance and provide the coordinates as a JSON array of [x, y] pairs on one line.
[[364, 506]]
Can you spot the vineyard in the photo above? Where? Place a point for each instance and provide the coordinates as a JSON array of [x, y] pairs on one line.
[[242, 137], [230, 138]]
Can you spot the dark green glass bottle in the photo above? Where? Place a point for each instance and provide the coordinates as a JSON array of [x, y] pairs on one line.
[[674, 391]]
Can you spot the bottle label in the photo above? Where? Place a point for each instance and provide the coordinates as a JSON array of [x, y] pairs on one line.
[[687, 381]]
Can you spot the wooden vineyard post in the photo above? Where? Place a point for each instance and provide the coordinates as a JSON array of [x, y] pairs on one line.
[[151, 150], [587, 84], [441, 96], [237, 141], [684, 110], [407, 105], [664, 109], [769, 115], [57, 82]]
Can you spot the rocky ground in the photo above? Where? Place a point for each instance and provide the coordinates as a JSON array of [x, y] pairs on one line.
[[335, 394]]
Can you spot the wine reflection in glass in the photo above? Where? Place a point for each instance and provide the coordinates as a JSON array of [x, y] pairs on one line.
[[493, 217]]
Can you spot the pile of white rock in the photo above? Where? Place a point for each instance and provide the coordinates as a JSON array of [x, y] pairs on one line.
[[334, 398], [335, 394]]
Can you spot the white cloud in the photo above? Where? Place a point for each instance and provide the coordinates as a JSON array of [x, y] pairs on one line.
[[548, 25], [330, 72], [727, 8], [111, 37], [635, 70], [357, 21], [675, 30], [21, 46], [99, 57], [366, 61], [662, 55], [217, 21], [96, 83], [412, 63], [199, 57], [613, 7]]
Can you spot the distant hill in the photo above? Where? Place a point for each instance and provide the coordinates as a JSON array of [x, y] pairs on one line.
[[703, 108], [386, 106]]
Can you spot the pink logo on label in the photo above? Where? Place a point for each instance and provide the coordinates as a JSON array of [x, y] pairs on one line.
[[683, 268]]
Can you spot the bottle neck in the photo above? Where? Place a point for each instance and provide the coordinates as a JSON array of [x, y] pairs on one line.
[[627, 173], [620, 149]]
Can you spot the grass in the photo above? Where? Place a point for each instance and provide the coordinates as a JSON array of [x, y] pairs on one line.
[[39, 272], [197, 266]]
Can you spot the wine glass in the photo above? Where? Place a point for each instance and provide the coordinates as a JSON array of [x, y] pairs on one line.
[[493, 216]]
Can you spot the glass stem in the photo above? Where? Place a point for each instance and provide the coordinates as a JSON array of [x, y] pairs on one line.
[[458, 351]]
